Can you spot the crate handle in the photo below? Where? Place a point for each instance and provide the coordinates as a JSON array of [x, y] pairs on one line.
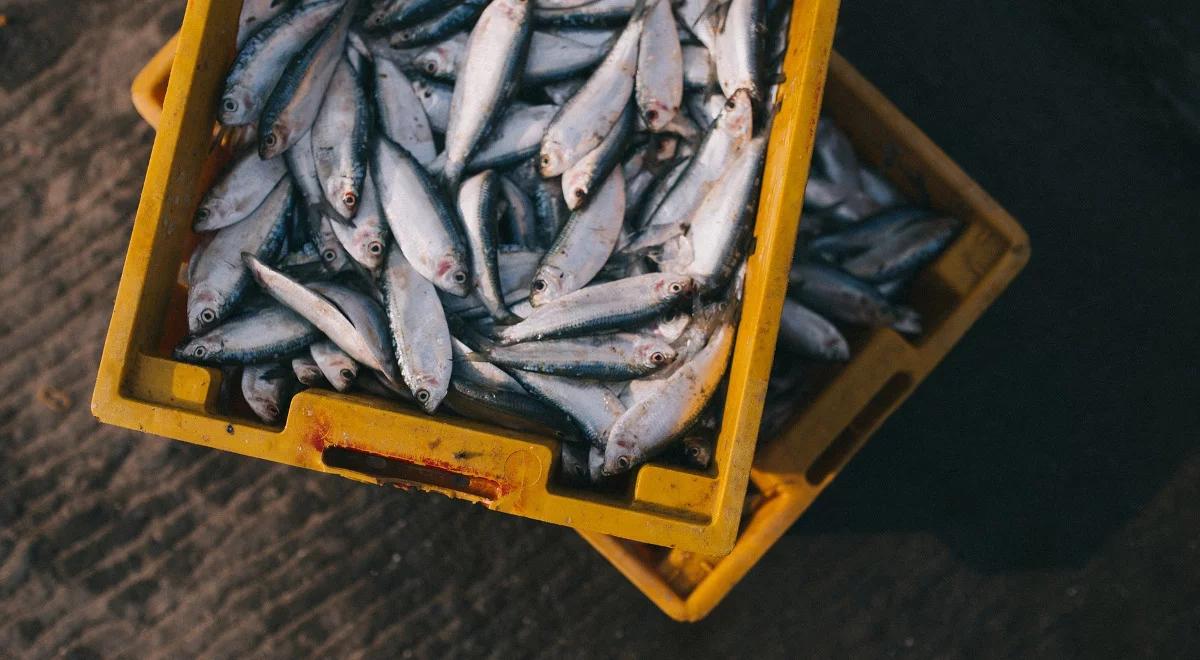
[[843, 447], [389, 470]]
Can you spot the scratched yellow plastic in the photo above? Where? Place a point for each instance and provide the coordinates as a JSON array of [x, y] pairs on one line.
[[139, 387], [791, 470]]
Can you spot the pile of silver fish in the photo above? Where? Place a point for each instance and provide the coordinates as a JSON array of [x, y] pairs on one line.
[[533, 213], [859, 247]]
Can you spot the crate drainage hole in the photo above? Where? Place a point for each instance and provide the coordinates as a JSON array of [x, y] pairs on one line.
[[388, 470], [848, 441]]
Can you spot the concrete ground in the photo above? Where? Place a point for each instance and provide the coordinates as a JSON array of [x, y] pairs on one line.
[[1038, 496]]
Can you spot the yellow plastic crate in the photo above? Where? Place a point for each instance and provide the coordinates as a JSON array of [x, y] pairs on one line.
[[383, 442], [853, 401]]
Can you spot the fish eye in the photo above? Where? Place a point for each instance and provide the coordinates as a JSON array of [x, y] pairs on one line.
[[657, 357], [580, 193], [230, 104], [208, 316], [428, 93], [651, 115], [350, 199], [347, 374], [624, 462], [693, 451], [270, 140], [459, 277], [272, 410], [431, 66], [539, 285], [730, 104], [545, 160], [375, 247], [199, 351], [329, 255], [202, 214], [675, 287], [422, 395]]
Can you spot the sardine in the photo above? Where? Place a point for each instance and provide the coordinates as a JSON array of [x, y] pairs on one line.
[[239, 192], [477, 208], [522, 218], [659, 81], [306, 370], [551, 58], [425, 228], [365, 242], [648, 426], [592, 406], [841, 297], [219, 279], [339, 140], [808, 333], [455, 19], [403, 116], [592, 112], [516, 272], [491, 66], [904, 252], [419, 331], [336, 367], [724, 217], [260, 335], [586, 176], [595, 14], [738, 48], [615, 305], [262, 59], [292, 106], [617, 356], [584, 244], [268, 388]]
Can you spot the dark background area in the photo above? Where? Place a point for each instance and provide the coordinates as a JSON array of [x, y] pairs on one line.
[[1039, 494]]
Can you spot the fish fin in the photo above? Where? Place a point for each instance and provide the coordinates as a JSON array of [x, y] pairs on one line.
[[908, 321]]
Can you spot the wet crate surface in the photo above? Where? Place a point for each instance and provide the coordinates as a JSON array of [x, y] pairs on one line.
[[382, 442], [850, 401]]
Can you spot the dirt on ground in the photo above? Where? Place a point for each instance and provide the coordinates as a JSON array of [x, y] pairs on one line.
[[1039, 496]]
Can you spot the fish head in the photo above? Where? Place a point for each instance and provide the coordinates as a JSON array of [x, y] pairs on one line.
[[201, 350], [737, 114], [237, 106], [265, 406], [697, 451], [370, 245], [427, 390], [552, 160], [575, 188], [210, 213], [621, 454], [658, 115], [202, 309], [674, 287], [653, 353], [274, 141], [434, 62], [307, 374], [452, 274], [548, 284]]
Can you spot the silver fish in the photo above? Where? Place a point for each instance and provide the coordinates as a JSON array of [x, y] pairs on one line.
[[268, 388], [426, 230], [516, 272], [659, 81], [609, 306], [262, 59], [306, 370], [293, 105], [723, 217], [593, 111], [403, 116], [419, 331], [585, 176], [336, 367], [738, 47], [522, 218], [477, 208], [551, 58], [904, 252], [219, 279], [515, 137], [494, 59], [261, 335], [255, 14], [239, 192], [339, 140], [618, 356], [594, 14], [318, 310], [648, 426], [878, 188], [303, 165], [592, 406], [841, 297], [808, 333], [584, 244]]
